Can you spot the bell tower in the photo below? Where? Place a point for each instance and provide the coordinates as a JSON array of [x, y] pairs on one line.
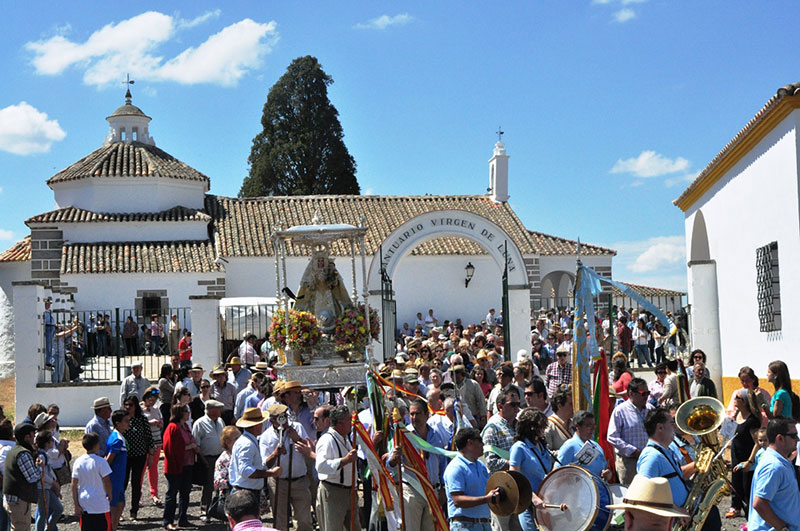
[[498, 171]]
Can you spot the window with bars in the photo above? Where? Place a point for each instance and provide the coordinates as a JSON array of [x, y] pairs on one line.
[[769, 287]]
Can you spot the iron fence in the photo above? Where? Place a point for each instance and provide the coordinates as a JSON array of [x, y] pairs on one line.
[[95, 345], [240, 320]]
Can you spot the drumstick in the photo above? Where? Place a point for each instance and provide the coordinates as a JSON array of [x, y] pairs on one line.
[[563, 506]]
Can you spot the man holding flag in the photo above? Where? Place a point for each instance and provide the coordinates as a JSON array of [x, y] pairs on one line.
[[418, 509]]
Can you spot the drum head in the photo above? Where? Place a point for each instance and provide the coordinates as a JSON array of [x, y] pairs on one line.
[[576, 488], [617, 495]]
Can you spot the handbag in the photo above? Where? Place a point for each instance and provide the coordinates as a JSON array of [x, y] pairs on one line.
[[216, 509]]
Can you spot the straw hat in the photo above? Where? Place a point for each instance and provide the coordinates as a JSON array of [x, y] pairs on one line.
[[42, 419], [288, 386], [100, 403], [278, 387], [276, 410], [236, 360], [218, 370], [197, 367], [252, 416], [261, 366], [652, 495]]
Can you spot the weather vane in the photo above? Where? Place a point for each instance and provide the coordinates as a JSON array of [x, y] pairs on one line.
[[128, 80], [500, 134]]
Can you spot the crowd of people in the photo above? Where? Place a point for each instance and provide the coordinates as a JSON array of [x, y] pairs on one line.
[[69, 345], [256, 445]]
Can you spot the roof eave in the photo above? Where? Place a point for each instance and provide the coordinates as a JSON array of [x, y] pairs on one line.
[[741, 144]]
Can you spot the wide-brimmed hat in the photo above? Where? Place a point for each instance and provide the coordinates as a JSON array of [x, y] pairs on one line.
[[100, 403], [563, 348], [236, 360], [277, 409], [397, 373], [652, 495], [290, 385], [261, 366], [197, 367], [252, 416], [137, 363], [278, 387], [42, 419], [218, 370]]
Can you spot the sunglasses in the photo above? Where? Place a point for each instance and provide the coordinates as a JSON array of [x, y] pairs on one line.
[[513, 404], [792, 435], [562, 355]]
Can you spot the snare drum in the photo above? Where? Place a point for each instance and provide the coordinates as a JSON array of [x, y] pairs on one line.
[[585, 495]]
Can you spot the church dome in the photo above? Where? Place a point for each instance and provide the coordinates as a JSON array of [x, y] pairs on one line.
[[128, 110]]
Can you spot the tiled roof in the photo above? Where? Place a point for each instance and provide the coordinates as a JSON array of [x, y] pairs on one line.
[[19, 252], [79, 215], [139, 257], [647, 291], [780, 95], [119, 159], [549, 245], [243, 226]]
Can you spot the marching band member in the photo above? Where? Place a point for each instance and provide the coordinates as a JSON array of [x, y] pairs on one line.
[[500, 432], [465, 480], [558, 429], [593, 460], [531, 457]]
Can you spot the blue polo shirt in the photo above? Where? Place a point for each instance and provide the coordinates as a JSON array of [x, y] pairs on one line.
[[116, 445], [655, 464], [532, 460], [566, 455], [774, 480], [462, 475]]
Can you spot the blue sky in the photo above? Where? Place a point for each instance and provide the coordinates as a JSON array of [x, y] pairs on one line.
[[609, 107]]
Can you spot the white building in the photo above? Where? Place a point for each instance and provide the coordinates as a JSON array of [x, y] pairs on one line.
[[742, 236], [136, 229]]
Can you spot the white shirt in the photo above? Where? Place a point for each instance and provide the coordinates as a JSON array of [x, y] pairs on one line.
[[206, 433], [5, 446], [188, 383], [331, 448], [89, 470], [269, 441]]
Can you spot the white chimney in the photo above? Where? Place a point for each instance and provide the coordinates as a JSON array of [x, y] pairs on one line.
[[498, 174]]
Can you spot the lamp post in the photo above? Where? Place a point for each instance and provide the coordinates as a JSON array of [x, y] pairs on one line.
[[470, 271]]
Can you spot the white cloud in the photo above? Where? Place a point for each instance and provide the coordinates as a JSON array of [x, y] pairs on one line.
[[384, 21], [224, 58], [368, 191], [205, 17], [6, 235], [650, 164], [680, 179], [25, 130], [659, 261], [131, 46], [624, 15]]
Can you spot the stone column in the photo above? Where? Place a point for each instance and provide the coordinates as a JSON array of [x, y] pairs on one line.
[[704, 331], [206, 336]]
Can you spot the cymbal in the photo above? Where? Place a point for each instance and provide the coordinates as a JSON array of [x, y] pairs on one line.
[[525, 491], [507, 502]]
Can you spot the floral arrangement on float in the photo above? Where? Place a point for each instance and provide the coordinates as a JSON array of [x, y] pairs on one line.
[[350, 330], [303, 331]]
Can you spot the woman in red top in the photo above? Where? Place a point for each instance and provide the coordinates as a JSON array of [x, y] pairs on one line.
[[179, 456]]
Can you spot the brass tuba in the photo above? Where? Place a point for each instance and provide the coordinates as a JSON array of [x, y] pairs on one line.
[[701, 417]]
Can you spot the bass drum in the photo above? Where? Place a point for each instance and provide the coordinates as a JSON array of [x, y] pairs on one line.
[[585, 495]]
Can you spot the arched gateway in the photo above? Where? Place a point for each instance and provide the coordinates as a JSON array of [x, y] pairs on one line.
[[497, 243]]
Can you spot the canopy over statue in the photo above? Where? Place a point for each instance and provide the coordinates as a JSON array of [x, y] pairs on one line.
[[323, 294]]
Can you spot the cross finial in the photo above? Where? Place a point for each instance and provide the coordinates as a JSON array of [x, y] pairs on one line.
[[500, 134], [128, 82]]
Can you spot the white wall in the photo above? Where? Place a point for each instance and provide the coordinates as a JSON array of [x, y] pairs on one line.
[[134, 231], [12, 272], [109, 291], [755, 203], [129, 194], [421, 282]]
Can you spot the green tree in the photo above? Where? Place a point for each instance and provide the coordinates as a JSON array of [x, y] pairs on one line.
[[300, 151]]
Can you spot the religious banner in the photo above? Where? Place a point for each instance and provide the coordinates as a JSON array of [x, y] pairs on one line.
[[584, 345]]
